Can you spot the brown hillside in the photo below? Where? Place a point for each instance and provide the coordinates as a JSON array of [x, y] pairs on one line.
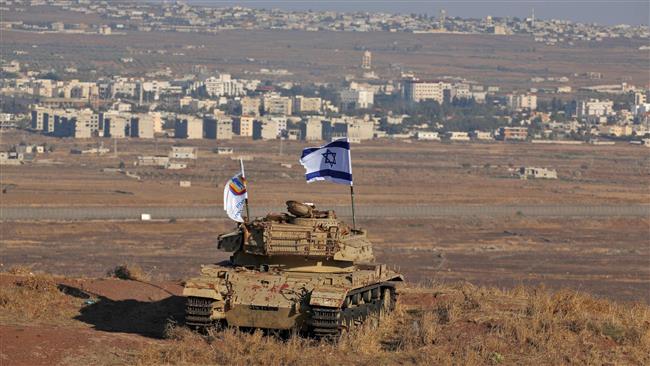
[[54, 320]]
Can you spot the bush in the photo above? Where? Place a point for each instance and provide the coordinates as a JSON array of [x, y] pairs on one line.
[[131, 272]]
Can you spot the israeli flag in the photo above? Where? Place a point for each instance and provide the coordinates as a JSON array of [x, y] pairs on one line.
[[330, 162]]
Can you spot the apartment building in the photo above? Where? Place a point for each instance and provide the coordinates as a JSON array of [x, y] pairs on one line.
[[513, 133], [276, 104], [250, 106], [594, 108], [243, 126], [303, 104], [188, 127], [357, 98], [416, 90], [522, 102], [217, 128]]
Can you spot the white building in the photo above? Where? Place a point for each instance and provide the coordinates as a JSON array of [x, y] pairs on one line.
[[359, 98], [143, 124], [245, 126], [303, 104], [223, 85], [458, 136], [250, 106], [184, 152], [314, 128], [522, 101], [428, 136], [416, 90], [594, 108], [188, 127], [277, 104]]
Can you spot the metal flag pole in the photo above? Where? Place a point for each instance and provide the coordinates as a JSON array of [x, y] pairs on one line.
[[354, 223], [248, 213], [354, 220]]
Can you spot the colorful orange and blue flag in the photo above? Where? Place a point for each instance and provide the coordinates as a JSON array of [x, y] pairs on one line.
[[237, 185]]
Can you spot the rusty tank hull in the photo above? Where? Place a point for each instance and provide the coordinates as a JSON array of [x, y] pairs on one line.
[[303, 272]]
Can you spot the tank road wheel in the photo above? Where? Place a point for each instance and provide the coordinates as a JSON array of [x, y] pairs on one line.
[[387, 301], [347, 324], [367, 296], [356, 299]]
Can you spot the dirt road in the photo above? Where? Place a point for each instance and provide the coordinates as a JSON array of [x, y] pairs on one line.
[[374, 211]]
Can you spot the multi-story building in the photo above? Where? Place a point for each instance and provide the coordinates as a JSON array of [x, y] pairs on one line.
[[117, 124], [522, 102], [513, 133], [142, 125], [223, 85], [125, 87], [276, 104], [217, 128], [306, 105], [359, 130], [250, 106], [593, 108], [416, 90], [243, 126], [313, 129], [265, 130], [87, 124], [41, 119], [357, 98], [188, 127]]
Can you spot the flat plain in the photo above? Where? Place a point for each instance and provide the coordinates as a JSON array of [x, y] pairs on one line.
[[604, 255]]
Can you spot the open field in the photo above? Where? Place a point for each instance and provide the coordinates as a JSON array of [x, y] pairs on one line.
[[605, 256], [385, 172], [49, 320], [507, 61]]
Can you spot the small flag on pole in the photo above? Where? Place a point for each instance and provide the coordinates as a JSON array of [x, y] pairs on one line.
[[330, 162], [234, 197]]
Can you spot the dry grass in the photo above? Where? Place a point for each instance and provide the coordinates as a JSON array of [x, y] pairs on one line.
[[460, 324], [130, 271], [35, 298], [434, 324]]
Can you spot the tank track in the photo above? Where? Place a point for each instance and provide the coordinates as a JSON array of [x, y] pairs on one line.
[[198, 311], [331, 322]]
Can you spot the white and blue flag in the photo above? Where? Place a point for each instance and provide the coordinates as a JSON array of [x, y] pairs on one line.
[[330, 162]]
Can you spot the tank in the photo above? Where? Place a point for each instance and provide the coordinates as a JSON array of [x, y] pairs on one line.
[[304, 272]]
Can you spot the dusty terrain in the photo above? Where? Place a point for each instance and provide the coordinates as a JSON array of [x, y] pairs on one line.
[[507, 61], [49, 320], [384, 172], [605, 256], [124, 322]]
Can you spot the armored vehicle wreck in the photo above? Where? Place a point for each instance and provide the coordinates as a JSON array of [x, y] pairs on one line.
[[303, 271]]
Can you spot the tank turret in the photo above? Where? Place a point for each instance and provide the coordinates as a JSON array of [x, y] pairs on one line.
[[304, 270], [302, 237]]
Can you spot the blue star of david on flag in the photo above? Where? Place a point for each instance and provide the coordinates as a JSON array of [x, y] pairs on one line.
[[330, 158], [330, 162]]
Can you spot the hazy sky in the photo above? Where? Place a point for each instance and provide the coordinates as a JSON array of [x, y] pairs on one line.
[[610, 12]]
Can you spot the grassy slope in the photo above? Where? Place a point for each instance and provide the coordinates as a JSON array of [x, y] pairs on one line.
[[439, 324]]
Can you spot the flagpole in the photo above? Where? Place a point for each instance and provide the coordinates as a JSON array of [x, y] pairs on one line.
[[248, 213], [354, 220], [354, 223]]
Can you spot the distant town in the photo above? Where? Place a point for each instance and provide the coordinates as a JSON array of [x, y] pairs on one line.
[[180, 17], [209, 104]]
